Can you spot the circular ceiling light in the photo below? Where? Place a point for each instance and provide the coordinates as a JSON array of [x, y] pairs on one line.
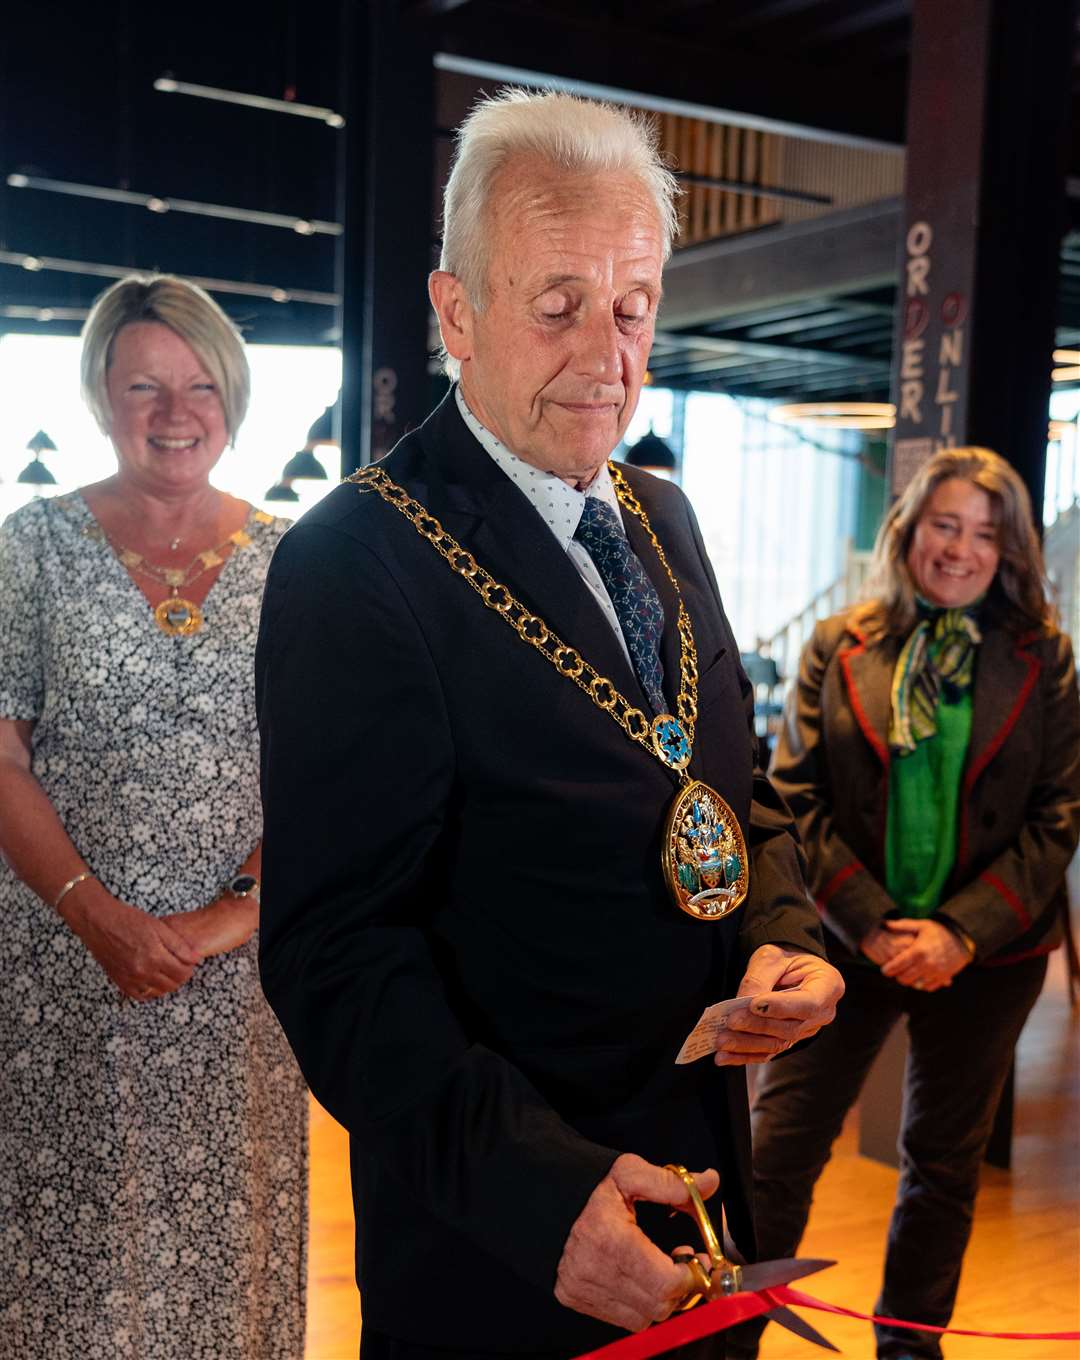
[[837, 415]]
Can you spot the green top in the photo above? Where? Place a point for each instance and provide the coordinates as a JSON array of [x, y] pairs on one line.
[[924, 800]]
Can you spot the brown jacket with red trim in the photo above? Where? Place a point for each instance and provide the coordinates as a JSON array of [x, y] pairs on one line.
[[1019, 802]]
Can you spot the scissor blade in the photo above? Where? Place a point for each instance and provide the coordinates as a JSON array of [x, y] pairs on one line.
[[767, 1274], [796, 1324]]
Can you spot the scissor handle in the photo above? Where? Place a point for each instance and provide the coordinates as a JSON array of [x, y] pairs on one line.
[[724, 1276]]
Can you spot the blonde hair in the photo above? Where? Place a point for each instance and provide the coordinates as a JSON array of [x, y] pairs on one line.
[[184, 308], [1018, 592], [576, 135]]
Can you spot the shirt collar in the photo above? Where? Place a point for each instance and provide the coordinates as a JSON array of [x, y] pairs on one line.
[[558, 504]]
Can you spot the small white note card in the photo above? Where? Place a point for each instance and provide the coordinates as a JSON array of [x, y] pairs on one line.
[[702, 1038]]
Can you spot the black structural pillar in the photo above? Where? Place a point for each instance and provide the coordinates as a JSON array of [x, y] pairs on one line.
[[386, 251], [988, 114]]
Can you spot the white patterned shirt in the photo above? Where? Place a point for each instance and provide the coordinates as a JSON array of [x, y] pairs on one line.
[[558, 504]]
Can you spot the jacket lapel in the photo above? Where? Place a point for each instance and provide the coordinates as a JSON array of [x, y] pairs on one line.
[[1005, 675], [867, 673], [495, 521]]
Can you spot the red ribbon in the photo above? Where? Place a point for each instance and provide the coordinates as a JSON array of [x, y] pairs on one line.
[[721, 1313]]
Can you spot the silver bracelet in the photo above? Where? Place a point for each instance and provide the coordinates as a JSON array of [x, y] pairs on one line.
[[71, 883]]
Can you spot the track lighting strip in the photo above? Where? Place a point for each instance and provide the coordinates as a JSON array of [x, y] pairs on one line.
[[33, 263], [301, 225], [168, 85]]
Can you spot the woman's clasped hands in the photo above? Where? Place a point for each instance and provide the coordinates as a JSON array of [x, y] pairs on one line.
[[917, 952], [148, 956]]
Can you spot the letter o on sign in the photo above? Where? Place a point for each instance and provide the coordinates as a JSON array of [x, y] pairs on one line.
[[919, 237]]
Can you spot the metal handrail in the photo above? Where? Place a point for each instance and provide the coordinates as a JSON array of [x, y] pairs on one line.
[[787, 642]]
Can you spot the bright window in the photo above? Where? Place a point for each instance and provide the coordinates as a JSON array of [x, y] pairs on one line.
[[776, 510], [39, 390]]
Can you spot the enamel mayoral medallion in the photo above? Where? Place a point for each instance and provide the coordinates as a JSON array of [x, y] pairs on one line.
[[704, 854]]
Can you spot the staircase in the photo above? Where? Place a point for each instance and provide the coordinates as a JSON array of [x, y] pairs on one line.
[[1061, 549], [786, 644]]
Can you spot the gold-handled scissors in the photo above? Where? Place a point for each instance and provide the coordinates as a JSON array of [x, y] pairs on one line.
[[725, 1277]]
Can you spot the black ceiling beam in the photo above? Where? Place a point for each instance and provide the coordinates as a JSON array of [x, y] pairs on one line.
[[866, 341], [794, 324], [611, 60], [851, 251], [852, 330], [659, 11], [780, 374], [858, 20], [808, 309], [426, 9], [809, 384], [753, 190], [760, 12], [717, 345]]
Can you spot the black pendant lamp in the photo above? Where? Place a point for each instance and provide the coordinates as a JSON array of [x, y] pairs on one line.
[[652, 455], [281, 491], [35, 473], [322, 429], [303, 464]]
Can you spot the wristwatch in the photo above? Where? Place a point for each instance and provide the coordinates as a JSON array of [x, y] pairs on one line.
[[243, 885]]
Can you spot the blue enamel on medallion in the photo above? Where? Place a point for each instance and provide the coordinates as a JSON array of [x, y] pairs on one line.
[[672, 743]]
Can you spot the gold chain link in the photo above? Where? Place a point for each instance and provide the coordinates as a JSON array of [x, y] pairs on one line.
[[533, 630]]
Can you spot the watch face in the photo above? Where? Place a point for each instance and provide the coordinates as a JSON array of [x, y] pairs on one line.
[[242, 884]]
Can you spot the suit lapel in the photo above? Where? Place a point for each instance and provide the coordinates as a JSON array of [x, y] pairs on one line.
[[495, 521]]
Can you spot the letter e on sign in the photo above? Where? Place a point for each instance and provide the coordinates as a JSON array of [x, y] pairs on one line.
[[911, 365]]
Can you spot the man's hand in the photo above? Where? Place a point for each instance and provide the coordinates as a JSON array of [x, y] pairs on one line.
[[931, 957], [609, 1268], [880, 945], [794, 995]]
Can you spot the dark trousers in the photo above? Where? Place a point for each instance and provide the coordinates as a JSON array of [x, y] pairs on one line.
[[961, 1044], [375, 1346]]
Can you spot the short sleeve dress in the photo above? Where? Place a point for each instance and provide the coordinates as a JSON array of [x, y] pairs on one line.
[[153, 1157]]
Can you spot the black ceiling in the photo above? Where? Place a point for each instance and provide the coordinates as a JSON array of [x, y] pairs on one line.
[[77, 103]]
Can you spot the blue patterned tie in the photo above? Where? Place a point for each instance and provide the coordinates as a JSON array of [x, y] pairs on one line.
[[640, 613]]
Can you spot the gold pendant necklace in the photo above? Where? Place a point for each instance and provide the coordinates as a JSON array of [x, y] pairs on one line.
[[703, 853], [178, 617]]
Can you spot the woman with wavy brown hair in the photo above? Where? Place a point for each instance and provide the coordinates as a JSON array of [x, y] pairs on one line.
[[931, 755]]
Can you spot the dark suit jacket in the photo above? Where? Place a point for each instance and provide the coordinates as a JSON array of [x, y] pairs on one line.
[[465, 933], [1019, 802]]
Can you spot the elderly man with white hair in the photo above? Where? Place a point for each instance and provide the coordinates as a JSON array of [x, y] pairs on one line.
[[516, 836]]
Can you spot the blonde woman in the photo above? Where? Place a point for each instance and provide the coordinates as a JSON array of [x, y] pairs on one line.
[[152, 1122], [931, 755]]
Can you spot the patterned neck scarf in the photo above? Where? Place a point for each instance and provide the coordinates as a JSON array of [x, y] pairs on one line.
[[938, 657]]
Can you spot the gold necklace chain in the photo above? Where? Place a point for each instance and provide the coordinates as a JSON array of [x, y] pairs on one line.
[[178, 578], [657, 736]]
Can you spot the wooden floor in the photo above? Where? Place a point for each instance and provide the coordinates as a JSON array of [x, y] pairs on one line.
[[1023, 1266]]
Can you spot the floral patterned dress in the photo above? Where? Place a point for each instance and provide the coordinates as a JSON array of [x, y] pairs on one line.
[[153, 1157]]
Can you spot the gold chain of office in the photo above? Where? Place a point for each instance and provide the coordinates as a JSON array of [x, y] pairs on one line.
[[567, 660]]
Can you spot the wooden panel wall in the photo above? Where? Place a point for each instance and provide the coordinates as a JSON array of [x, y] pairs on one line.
[[722, 152], [844, 175]]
